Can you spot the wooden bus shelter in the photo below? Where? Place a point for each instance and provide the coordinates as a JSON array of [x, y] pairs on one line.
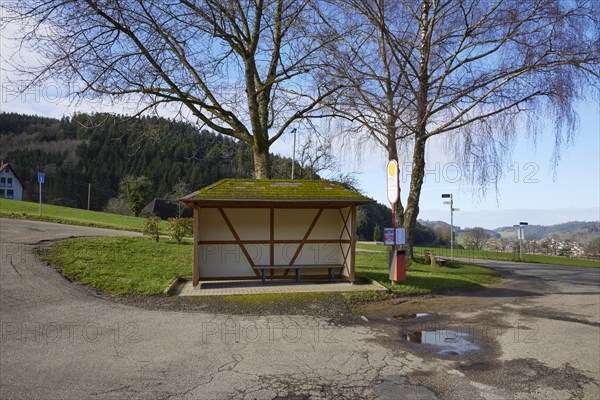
[[274, 229]]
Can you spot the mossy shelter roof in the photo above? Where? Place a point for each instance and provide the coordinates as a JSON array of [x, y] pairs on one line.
[[273, 191]]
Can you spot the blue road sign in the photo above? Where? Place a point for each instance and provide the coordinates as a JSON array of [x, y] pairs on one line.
[[41, 177]]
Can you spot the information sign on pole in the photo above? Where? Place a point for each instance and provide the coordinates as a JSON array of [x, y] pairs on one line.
[[394, 236], [392, 182], [41, 179], [400, 236], [388, 236]]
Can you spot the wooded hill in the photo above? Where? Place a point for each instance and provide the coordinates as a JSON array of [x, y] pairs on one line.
[[102, 149], [578, 231]]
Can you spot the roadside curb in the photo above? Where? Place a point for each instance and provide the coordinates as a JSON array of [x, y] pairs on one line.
[[374, 282], [174, 283]]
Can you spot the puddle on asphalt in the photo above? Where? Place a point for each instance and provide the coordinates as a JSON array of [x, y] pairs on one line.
[[406, 316], [447, 342]]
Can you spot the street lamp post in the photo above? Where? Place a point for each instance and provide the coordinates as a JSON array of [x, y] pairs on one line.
[[452, 209], [520, 236], [294, 153]]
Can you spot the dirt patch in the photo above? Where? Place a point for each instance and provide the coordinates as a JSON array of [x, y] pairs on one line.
[[450, 302], [332, 306]]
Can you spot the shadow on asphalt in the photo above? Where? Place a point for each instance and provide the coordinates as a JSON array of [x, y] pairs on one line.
[[493, 292]]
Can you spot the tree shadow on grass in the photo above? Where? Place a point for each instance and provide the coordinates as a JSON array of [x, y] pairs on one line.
[[423, 284], [445, 285]]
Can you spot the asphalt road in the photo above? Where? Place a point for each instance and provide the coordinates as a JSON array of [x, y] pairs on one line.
[[537, 335]]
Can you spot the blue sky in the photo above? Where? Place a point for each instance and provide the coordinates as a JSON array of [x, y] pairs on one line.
[[532, 190]]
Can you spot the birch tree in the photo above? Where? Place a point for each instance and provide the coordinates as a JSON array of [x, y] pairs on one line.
[[474, 72], [373, 96], [242, 68]]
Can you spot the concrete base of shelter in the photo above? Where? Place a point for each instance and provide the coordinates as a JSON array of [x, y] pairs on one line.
[[183, 287]]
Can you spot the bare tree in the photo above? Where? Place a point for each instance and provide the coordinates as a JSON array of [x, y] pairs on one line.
[[315, 155], [593, 247], [373, 97], [476, 238], [178, 190], [442, 234], [501, 244], [242, 68], [475, 71]]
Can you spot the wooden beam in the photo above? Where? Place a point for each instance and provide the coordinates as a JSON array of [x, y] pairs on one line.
[[238, 240], [246, 278], [314, 241], [353, 244], [345, 221], [280, 241], [345, 228], [272, 236], [196, 266], [315, 205], [265, 241], [272, 239], [345, 256], [341, 235]]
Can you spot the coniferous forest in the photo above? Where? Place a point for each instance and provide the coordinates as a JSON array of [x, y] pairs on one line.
[[102, 149]]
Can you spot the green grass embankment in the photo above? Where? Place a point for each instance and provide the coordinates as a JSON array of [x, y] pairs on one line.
[[72, 216]]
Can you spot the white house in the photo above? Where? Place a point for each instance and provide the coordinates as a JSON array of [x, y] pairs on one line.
[[11, 187]]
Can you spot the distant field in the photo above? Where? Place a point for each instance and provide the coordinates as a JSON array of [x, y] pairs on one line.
[[507, 234], [495, 255], [72, 216]]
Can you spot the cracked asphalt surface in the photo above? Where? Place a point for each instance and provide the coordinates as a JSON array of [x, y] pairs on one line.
[[538, 333]]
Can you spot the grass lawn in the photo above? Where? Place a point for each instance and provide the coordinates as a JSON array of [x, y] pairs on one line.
[[122, 265], [501, 256], [370, 246], [423, 279], [72, 216], [494, 255], [126, 265]]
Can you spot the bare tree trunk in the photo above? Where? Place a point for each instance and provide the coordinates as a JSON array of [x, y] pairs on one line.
[[418, 164], [260, 152], [412, 204]]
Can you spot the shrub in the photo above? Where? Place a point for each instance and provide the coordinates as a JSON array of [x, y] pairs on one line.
[[180, 228], [135, 190], [377, 233], [118, 205], [151, 227]]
